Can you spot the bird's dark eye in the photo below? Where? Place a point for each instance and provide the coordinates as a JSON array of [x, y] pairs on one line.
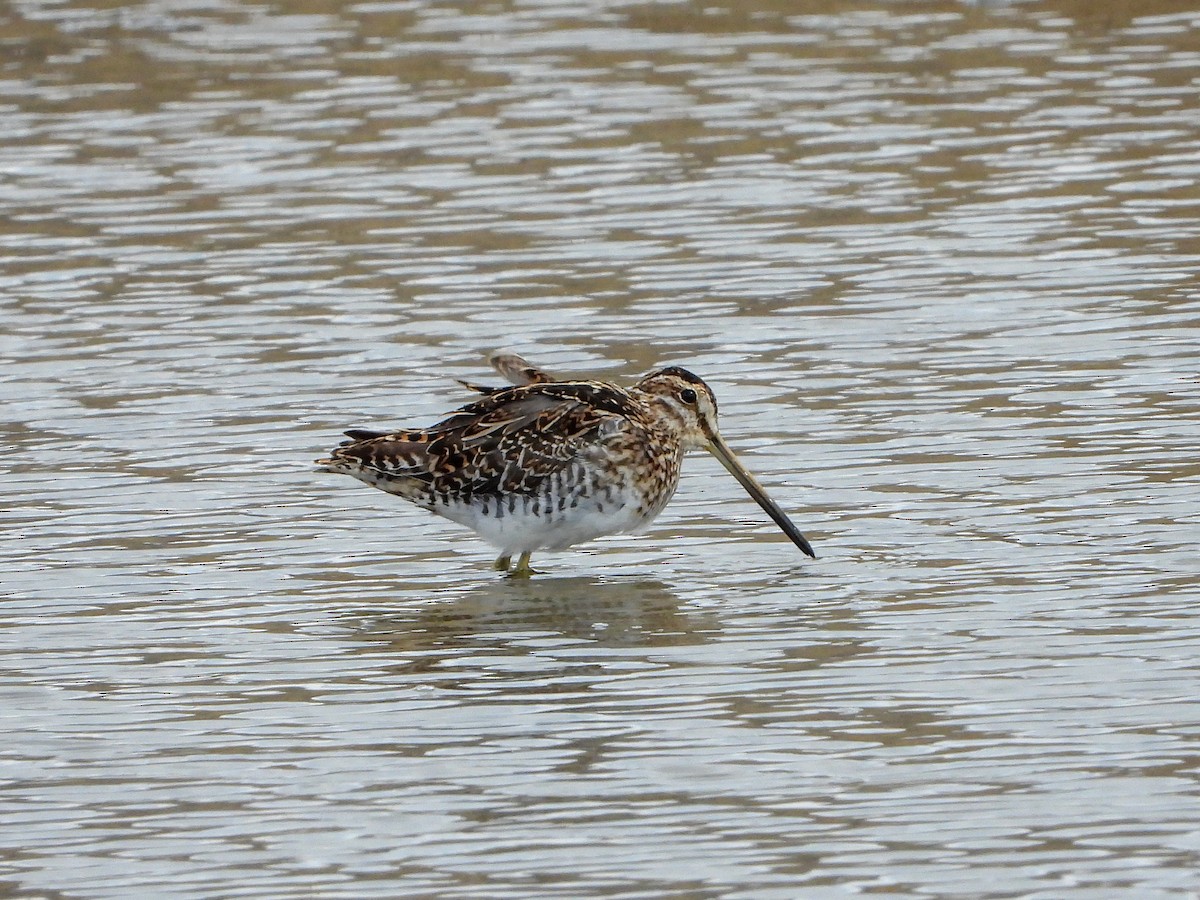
[[687, 395]]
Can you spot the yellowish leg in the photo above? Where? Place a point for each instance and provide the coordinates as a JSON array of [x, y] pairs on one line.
[[501, 564], [523, 569]]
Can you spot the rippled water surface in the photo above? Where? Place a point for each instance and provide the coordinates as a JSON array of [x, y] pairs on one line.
[[938, 260]]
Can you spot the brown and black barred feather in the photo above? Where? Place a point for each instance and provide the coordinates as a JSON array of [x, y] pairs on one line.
[[508, 442]]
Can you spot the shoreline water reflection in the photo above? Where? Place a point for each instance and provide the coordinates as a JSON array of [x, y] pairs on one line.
[[607, 611]]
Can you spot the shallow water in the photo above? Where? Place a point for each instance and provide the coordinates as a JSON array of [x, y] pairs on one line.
[[938, 262]]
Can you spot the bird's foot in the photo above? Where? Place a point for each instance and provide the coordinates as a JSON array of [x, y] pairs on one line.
[[501, 563], [523, 569]]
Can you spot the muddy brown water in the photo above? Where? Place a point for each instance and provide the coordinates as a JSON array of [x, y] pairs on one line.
[[938, 261]]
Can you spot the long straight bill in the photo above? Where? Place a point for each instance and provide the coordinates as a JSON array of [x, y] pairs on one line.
[[721, 451]]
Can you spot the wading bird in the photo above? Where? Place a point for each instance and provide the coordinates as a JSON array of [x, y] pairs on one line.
[[545, 464]]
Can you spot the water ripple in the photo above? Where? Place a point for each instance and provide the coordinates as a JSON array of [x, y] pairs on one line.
[[939, 266]]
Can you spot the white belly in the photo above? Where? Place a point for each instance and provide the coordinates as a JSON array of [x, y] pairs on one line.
[[524, 524]]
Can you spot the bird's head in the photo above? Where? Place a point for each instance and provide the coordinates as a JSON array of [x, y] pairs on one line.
[[684, 405]]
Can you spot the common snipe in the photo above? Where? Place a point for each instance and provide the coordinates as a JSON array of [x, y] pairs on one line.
[[546, 464]]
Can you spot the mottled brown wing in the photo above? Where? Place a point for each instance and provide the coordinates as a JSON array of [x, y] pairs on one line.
[[507, 442]]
